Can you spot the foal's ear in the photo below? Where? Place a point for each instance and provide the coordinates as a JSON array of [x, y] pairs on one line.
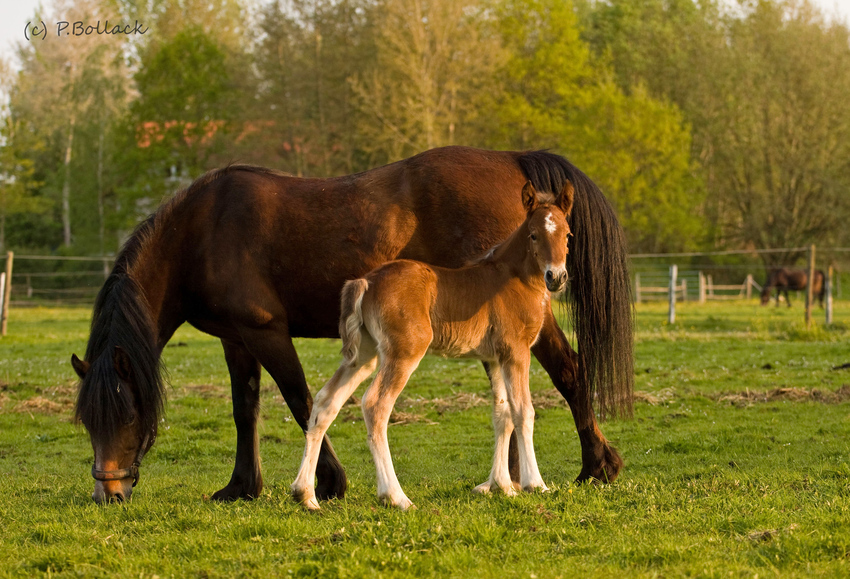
[[81, 367], [565, 198], [121, 361], [529, 197]]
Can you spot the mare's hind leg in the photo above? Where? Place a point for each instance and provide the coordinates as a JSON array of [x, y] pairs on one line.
[[246, 482], [326, 406], [273, 347], [599, 460], [378, 402], [500, 476]]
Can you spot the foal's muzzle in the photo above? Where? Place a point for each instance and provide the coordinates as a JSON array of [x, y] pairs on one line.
[[555, 281]]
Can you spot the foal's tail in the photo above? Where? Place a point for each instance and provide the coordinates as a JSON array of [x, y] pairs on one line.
[[351, 318]]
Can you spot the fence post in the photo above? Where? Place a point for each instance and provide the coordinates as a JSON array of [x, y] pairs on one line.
[[701, 279], [828, 291], [710, 283], [810, 286], [749, 286], [7, 293], [671, 317], [637, 287]]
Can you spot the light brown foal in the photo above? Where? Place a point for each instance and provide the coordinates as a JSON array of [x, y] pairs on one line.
[[492, 311]]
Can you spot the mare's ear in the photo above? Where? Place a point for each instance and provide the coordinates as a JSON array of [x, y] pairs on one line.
[[565, 198], [121, 361], [81, 367], [529, 197]]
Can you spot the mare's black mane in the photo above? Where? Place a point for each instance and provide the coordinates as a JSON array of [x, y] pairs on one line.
[[601, 314]]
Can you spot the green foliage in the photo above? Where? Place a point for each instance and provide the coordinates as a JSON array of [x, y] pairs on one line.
[[707, 125], [635, 147], [763, 90], [718, 480]]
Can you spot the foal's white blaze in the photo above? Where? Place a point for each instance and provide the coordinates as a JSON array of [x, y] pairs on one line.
[[550, 224]]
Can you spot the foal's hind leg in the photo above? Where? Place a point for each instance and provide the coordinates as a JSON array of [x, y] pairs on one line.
[[600, 461], [246, 482], [326, 406], [273, 347], [500, 477], [378, 402]]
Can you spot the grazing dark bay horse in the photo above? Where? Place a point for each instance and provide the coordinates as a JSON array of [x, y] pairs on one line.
[[784, 279], [491, 311], [256, 257]]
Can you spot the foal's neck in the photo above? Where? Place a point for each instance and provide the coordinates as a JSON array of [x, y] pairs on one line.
[[516, 255]]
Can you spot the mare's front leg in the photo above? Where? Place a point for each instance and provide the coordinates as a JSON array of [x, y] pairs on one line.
[[515, 375], [500, 476], [272, 346], [246, 482], [326, 406], [378, 402], [599, 460]]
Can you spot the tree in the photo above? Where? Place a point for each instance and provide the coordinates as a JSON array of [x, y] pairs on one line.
[[636, 147], [178, 120], [763, 87], [16, 169], [432, 58], [86, 75], [304, 119]]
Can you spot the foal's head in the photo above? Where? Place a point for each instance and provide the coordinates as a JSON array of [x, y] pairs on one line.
[[548, 229]]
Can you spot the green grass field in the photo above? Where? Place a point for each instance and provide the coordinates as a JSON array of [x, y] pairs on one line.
[[737, 464]]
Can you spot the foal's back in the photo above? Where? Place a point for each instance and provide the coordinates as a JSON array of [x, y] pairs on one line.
[[465, 312]]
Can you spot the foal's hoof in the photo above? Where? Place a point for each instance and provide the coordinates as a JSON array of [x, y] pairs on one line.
[[403, 503], [536, 487], [482, 489], [406, 505], [308, 501], [485, 488]]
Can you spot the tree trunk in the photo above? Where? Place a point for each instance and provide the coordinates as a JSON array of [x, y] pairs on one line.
[[100, 212], [66, 186]]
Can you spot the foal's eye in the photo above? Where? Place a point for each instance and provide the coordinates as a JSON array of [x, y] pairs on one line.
[[533, 237]]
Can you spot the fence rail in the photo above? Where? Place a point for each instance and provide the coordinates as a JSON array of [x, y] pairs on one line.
[[72, 279]]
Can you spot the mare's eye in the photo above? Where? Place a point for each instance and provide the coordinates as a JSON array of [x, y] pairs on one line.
[[533, 237]]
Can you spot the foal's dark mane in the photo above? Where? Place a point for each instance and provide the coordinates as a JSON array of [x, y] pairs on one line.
[[121, 318], [600, 311]]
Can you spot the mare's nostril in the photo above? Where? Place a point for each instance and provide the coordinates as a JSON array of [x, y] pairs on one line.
[[117, 497], [549, 276]]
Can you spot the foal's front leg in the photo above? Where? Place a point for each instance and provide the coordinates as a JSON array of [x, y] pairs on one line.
[[326, 406], [515, 374], [500, 478]]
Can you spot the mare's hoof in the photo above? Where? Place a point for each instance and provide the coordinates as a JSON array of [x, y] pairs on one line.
[[234, 493], [603, 469]]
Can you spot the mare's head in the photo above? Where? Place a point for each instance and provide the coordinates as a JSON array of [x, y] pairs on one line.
[[120, 395], [546, 221]]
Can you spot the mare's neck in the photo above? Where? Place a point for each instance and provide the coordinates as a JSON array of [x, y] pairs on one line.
[[154, 272]]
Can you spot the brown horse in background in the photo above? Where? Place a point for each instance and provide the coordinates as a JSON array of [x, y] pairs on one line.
[[491, 311], [784, 279], [256, 257]]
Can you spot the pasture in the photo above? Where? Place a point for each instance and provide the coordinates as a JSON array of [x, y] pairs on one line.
[[737, 463]]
